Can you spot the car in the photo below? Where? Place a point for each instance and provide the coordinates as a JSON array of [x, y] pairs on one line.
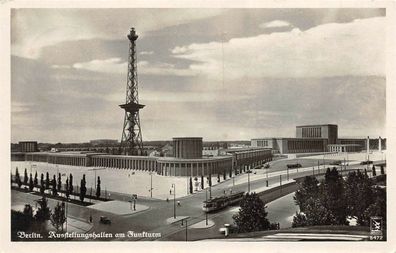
[[105, 220], [294, 165], [266, 166], [338, 162], [366, 162]]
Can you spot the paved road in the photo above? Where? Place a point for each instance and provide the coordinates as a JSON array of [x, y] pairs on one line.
[[154, 219]]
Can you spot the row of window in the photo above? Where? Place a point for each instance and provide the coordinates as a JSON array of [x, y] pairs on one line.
[[312, 132]]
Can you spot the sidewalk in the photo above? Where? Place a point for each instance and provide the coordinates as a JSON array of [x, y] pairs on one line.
[[119, 207]]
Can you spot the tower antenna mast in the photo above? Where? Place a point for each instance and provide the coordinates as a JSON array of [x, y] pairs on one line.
[[131, 139]]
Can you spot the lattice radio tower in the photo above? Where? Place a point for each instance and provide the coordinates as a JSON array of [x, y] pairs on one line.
[[131, 140]]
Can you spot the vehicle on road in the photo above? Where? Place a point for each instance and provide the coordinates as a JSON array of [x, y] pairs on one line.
[[366, 162], [338, 162], [266, 166], [104, 220], [293, 165], [221, 202]]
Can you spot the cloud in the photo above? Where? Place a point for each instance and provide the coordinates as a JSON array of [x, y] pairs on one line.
[[34, 29], [111, 65], [146, 53], [356, 48], [117, 66], [275, 23]]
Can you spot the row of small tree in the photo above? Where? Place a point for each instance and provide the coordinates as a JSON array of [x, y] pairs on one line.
[[333, 200], [55, 185], [209, 180]]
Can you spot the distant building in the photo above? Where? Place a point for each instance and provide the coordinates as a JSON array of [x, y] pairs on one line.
[[28, 146], [187, 160], [327, 131], [187, 147], [103, 142], [344, 148], [316, 139]]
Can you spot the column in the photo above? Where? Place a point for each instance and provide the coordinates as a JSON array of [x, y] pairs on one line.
[[379, 144]]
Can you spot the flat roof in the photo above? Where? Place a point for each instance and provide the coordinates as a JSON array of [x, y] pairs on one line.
[[288, 138], [205, 159], [343, 145], [245, 149], [187, 138], [317, 125]]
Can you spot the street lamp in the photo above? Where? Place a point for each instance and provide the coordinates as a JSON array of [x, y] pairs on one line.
[[266, 171], [208, 181], [151, 184], [206, 213], [185, 219], [94, 170], [174, 200], [249, 171]]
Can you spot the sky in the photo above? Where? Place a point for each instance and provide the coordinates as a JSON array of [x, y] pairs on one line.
[[223, 74]]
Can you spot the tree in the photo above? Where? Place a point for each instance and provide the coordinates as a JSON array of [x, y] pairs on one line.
[[35, 182], [59, 182], [25, 177], [31, 185], [43, 213], [382, 170], [252, 215], [71, 184], [191, 186], [98, 188], [317, 214], [47, 181], [83, 189], [230, 173], [332, 196], [42, 186], [53, 182], [58, 217], [210, 180], [224, 175], [202, 182], [28, 211], [218, 178], [309, 189], [18, 178], [358, 194], [299, 220], [374, 171], [377, 208], [67, 188]]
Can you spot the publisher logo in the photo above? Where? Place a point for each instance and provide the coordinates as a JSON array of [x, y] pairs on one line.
[[376, 225]]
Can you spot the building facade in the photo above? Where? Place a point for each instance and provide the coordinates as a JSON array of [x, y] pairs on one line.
[[188, 160], [318, 138], [28, 146], [187, 147], [327, 131]]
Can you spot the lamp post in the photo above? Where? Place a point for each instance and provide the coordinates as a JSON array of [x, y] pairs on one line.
[[206, 213], [266, 172], [174, 200], [94, 170], [151, 185], [280, 182], [185, 219], [248, 180]]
